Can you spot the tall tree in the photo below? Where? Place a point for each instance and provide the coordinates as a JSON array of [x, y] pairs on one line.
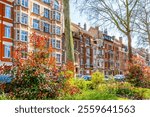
[[119, 13], [68, 33], [143, 23]]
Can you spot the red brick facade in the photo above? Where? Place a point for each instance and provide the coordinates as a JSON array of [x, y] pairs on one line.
[[83, 42], [110, 53], [6, 31], [45, 18]]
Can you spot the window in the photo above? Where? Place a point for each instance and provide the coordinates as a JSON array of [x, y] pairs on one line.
[[53, 43], [36, 9], [8, 12], [58, 58], [46, 27], [81, 38], [88, 41], [82, 50], [58, 44], [56, 16], [88, 51], [81, 61], [7, 31], [46, 13], [88, 62], [110, 47], [24, 19], [18, 2], [46, 1], [24, 36], [17, 34], [18, 17], [24, 3], [56, 30], [7, 51], [36, 24], [56, 5]]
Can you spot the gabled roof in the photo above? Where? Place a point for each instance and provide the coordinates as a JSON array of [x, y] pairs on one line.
[[76, 28]]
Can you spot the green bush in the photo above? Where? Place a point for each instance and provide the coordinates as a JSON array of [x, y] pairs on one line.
[[97, 78], [112, 87], [146, 94], [103, 88], [125, 90], [141, 93], [3, 96], [82, 84], [91, 95]]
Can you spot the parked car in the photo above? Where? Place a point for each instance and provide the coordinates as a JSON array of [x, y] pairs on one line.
[[119, 77], [5, 78], [86, 77], [79, 75], [107, 77]]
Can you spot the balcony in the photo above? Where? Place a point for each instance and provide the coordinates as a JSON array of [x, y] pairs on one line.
[[106, 37]]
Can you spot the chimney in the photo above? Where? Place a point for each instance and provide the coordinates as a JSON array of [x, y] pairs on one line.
[[113, 37], [105, 31], [97, 28], [85, 26], [79, 24], [120, 39]]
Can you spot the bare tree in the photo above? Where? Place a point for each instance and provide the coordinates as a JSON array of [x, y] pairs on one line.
[[143, 23], [120, 13], [68, 33]]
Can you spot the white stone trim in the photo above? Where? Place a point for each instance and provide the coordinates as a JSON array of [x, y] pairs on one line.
[[6, 63], [8, 24], [7, 43]]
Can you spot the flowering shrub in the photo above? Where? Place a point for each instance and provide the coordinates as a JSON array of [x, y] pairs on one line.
[[138, 73], [36, 75], [97, 78]]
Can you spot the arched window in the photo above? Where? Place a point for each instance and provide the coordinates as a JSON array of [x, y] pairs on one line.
[[56, 5]]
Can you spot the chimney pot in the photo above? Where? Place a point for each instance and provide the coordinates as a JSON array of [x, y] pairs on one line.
[[85, 26], [120, 38], [79, 24]]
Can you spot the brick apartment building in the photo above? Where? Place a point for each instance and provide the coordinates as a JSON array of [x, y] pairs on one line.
[[6, 31], [43, 17], [115, 55], [98, 52], [83, 42], [143, 54], [110, 54]]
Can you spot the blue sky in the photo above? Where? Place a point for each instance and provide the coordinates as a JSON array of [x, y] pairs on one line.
[[76, 17]]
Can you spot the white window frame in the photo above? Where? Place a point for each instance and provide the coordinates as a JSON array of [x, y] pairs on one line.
[[24, 36], [58, 44], [7, 51], [36, 25], [24, 18], [8, 12], [58, 61], [7, 31]]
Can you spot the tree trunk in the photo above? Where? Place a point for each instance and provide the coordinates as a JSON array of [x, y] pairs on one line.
[[129, 47], [68, 33]]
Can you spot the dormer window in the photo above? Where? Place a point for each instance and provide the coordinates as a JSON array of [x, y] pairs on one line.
[[56, 5]]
